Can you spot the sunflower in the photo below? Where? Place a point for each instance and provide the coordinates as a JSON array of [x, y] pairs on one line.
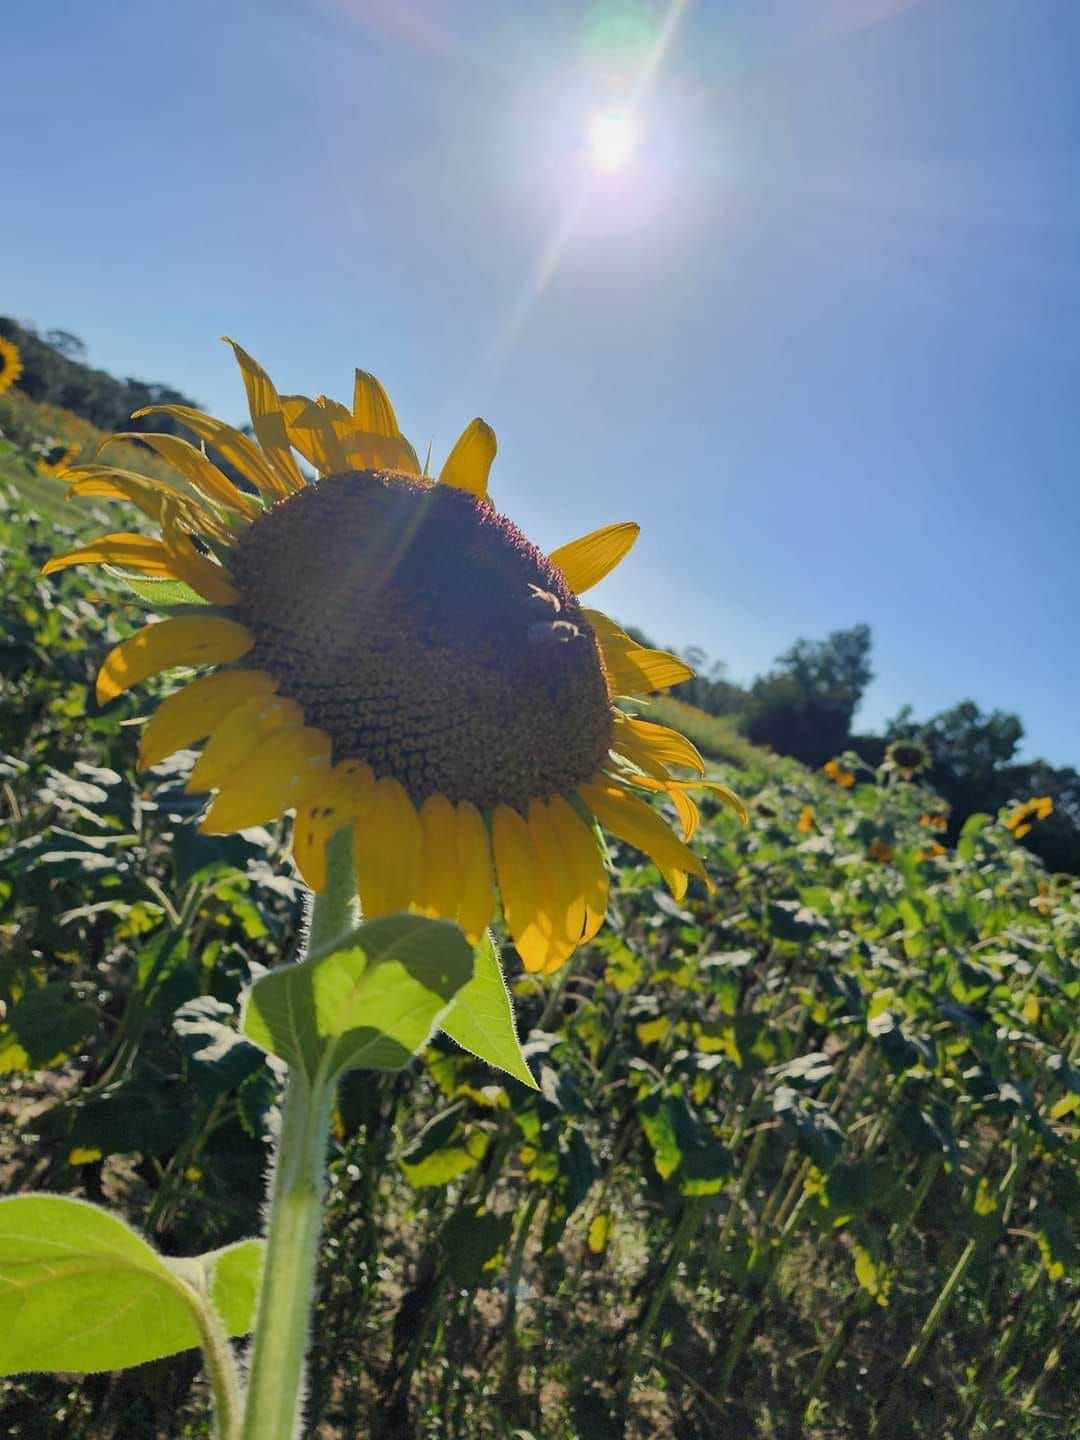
[[58, 459], [389, 653], [1020, 820], [11, 364]]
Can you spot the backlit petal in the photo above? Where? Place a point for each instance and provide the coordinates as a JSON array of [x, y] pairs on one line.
[[585, 562], [197, 710], [563, 900], [634, 737], [477, 879], [267, 420], [388, 848], [284, 772], [197, 470], [372, 410], [311, 431], [442, 875], [131, 552], [238, 735], [516, 865], [469, 462], [346, 796], [230, 443], [632, 820], [181, 640], [582, 848]]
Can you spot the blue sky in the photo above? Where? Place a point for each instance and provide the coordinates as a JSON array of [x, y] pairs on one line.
[[819, 335]]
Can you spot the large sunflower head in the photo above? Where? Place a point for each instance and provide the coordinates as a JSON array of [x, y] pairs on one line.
[[11, 363], [389, 653]]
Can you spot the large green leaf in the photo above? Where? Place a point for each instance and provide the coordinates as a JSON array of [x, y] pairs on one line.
[[481, 1019], [81, 1291], [371, 1004]]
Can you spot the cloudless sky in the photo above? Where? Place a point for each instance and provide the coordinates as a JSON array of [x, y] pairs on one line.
[[819, 334]]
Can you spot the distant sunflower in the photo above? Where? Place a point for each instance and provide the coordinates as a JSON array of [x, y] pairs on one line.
[[59, 459], [11, 364], [393, 655], [1020, 820]]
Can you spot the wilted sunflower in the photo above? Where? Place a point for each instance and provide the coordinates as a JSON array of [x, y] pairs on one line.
[[392, 654], [11, 363]]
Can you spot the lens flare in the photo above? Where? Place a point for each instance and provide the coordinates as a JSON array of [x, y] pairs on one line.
[[612, 140]]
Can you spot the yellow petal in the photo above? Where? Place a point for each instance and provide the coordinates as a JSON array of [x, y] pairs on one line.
[[312, 432], [672, 787], [105, 482], [196, 469], [586, 861], [230, 444], [366, 451], [561, 898], [523, 904], [133, 552], [633, 821], [283, 773], [181, 640], [388, 848], [658, 742], [197, 710], [631, 668], [267, 420], [585, 562], [372, 410], [469, 462], [346, 796], [477, 880], [238, 734], [442, 875]]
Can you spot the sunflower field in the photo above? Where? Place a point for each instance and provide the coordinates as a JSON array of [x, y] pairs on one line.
[[802, 1156]]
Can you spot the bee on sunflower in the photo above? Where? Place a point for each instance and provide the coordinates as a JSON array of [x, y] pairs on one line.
[[11, 363], [389, 653]]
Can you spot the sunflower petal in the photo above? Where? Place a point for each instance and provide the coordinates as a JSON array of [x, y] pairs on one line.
[[442, 873], [634, 737], [372, 410], [267, 420], [240, 733], [523, 903], [133, 552], [633, 821], [190, 462], [312, 432], [230, 443], [197, 710], [105, 482], [388, 848], [672, 787], [181, 640], [469, 462], [284, 772], [585, 562], [586, 861], [346, 796], [556, 882], [477, 880]]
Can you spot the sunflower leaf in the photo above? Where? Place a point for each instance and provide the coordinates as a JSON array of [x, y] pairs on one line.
[[81, 1291], [369, 1004], [160, 594], [481, 1018]]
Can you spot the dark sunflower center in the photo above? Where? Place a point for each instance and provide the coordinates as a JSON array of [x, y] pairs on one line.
[[426, 635]]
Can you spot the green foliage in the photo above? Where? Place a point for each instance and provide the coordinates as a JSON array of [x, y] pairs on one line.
[[770, 1121], [80, 1291]]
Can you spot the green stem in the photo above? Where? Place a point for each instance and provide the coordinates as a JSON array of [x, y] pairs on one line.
[[283, 1320], [221, 1370]]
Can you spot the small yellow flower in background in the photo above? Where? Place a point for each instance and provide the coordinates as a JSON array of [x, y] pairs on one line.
[[11, 364], [836, 771], [933, 852], [880, 851], [805, 822], [389, 654], [934, 822], [63, 456], [1019, 821]]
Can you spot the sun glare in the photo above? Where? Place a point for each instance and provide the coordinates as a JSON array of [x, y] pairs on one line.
[[612, 139]]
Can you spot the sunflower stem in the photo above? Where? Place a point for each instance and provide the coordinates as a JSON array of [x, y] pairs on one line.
[[274, 1399]]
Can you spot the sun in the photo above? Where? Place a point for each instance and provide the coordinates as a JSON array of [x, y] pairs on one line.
[[612, 140]]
